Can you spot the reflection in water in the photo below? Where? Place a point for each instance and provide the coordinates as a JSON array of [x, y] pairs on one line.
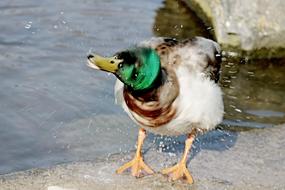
[[175, 19], [253, 91]]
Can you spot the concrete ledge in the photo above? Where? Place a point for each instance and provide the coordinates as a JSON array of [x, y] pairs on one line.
[[249, 160]]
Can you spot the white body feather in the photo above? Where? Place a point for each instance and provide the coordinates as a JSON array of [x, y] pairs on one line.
[[199, 104]]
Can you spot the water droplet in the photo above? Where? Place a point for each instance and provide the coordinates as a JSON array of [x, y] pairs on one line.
[[238, 110], [28, 25], [228, 24], [55, 26]]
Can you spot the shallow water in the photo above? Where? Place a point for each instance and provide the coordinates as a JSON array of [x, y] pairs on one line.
[[55, 109], [254, 93]]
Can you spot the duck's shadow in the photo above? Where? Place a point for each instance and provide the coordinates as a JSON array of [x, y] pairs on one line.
[[216, 140]]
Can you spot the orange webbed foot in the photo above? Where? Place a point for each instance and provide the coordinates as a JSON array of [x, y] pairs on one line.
[[178, 171], [137, 166]]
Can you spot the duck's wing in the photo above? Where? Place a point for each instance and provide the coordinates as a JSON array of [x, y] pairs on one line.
[[207, 55], [199, 54], [156, 42]]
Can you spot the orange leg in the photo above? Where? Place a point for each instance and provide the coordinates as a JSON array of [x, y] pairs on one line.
[[137, 165], [180, 170]]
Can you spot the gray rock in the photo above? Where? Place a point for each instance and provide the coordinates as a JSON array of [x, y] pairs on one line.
[[246, 25]]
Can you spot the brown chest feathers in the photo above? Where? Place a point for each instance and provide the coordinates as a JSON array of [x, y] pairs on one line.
[[156, 107]]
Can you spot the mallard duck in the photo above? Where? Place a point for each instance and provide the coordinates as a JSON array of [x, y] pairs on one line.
[[167, 87]]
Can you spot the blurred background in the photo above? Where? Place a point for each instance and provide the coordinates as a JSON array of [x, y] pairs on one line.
[[55, 109]]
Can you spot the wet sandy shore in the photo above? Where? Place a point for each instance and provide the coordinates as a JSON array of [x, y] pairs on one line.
[[255, 161]]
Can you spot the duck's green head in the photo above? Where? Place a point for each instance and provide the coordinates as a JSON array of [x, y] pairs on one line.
[[137, 68]]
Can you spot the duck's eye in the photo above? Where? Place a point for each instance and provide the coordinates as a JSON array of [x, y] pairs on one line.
[[135, 75], [120, 65]]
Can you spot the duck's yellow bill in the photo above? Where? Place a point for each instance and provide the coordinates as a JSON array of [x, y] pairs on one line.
[[104, 63]]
